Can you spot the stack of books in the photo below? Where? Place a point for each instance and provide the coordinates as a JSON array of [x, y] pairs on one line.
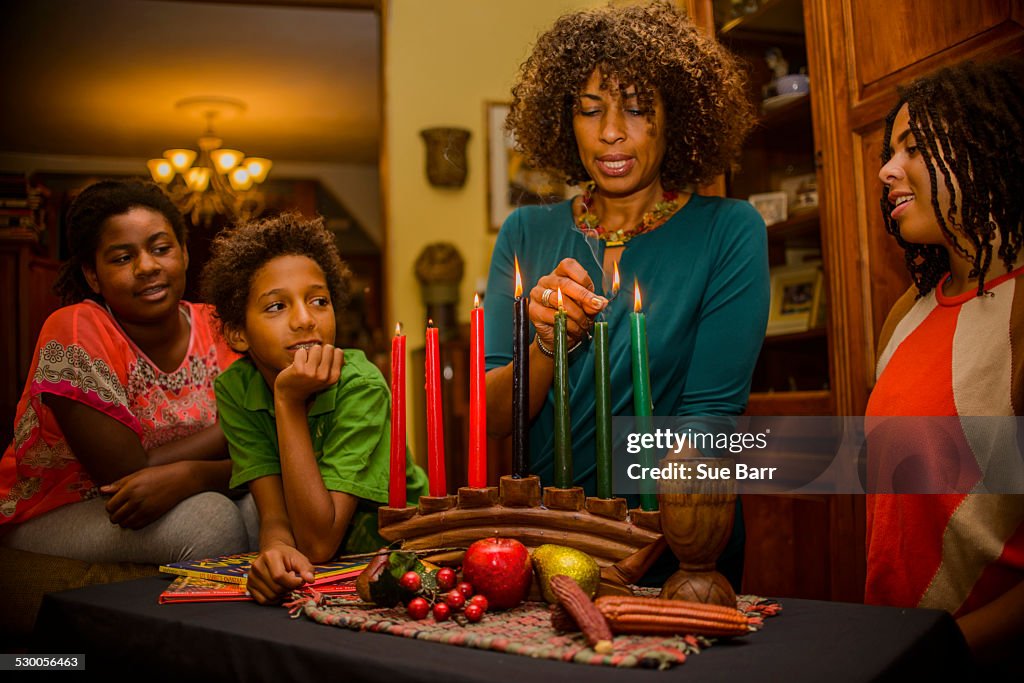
[[17, 209], [224, 578]]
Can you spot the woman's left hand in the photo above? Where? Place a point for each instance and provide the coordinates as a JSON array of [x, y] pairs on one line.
[[142, 497], [580, 302]]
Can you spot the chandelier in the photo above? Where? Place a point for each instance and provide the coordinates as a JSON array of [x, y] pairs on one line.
[[216, 180]]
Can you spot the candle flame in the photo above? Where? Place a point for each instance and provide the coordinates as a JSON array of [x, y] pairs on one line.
[[616, 282], [637, 305], [560, 297], [398, 329], [476, 300], [430, 322], [519, 280]]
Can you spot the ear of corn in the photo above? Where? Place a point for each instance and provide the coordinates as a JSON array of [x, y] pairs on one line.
[[578, 605], [658, 616]]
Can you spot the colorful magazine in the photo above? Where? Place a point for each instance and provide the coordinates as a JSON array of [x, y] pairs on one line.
[[193, 589], [235, 568]]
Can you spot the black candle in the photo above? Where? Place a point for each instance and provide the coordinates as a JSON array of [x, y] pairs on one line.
[[520, 380]]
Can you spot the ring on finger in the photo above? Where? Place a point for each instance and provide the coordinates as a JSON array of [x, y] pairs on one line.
[[545, 298]]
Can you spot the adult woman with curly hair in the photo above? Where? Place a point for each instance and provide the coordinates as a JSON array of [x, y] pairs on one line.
[[953, 348], [635, 105]]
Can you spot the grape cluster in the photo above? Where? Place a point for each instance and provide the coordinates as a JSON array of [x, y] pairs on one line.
[[442, 594]]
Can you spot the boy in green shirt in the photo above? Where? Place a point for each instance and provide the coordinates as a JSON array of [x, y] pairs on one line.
[[308, 427]]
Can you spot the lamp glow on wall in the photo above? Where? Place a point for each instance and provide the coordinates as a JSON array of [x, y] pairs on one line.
[[216, 180]]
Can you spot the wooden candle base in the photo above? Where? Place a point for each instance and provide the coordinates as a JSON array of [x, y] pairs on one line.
[[470, 497], [520, 492], [612, 508], [564, 499], [695, 520], [600, 528], [433, 504]]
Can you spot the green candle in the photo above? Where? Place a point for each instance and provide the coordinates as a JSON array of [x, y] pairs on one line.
[[642, 406], [603, 411], [563, 429]]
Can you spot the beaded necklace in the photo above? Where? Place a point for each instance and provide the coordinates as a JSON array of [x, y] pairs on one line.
[[590, 225]]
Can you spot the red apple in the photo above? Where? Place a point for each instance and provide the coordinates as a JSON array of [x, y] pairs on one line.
[[500, 570]]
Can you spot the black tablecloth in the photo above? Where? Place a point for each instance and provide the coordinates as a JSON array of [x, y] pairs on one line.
[[124, 633]]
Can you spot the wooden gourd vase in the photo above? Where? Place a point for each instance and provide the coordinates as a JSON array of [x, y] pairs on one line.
[[697, 520]]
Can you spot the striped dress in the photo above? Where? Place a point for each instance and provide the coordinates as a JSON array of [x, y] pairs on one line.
[[952, 357]]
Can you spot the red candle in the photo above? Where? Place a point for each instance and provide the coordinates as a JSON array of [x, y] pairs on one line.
[[396, 482], [477, 399], [435, 423]]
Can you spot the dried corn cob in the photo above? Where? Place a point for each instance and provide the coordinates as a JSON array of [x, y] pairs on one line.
[[584, 613], [562, 621], [658, 616]]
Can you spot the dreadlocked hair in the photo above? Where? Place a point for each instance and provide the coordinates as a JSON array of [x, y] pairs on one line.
[[653, 48], [968, 121]]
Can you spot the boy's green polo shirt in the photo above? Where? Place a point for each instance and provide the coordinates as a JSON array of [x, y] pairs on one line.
[[349, 425]]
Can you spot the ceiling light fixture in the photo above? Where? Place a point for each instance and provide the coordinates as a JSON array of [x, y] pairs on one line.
[[221, 181]]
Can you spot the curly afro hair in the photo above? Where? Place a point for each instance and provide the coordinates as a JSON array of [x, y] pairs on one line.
[[968, 122], [86, 218], [238, 253], [653, 48]]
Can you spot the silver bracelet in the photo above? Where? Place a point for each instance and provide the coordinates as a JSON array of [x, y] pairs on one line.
[[550, 353]]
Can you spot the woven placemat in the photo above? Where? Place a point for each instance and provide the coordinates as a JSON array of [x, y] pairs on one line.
[[525, 630]]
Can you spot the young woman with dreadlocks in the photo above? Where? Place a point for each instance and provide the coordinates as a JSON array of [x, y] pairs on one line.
[[953, 345]]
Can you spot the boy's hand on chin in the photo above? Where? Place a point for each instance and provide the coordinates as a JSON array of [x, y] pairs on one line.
[[312, 369]]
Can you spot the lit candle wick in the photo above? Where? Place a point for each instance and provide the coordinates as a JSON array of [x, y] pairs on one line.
[[519, 280]]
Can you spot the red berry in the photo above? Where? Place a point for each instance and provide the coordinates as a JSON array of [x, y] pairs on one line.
[[442, 612], [418, 608], [480, 601], [466, 588], [455, 599], [410, 581], [446, 578], [474, 613]]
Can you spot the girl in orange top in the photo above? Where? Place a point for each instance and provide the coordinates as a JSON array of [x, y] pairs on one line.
[[952, 352], [117, 452]]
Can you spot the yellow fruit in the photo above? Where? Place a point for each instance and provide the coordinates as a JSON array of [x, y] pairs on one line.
[[551, 560]]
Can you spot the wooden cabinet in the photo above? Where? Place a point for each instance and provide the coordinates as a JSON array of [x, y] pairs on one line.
[[856, 52], [778, 166], [860, 51], [797, 545], [26, 278]]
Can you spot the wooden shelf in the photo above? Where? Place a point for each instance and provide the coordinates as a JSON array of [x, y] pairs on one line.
[[800, 224], [816, 333], [798, 109], [772, 16], [790, 403]]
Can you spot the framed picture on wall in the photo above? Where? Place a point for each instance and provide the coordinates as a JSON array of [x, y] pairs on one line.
[[796, 299], [510, 182]]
